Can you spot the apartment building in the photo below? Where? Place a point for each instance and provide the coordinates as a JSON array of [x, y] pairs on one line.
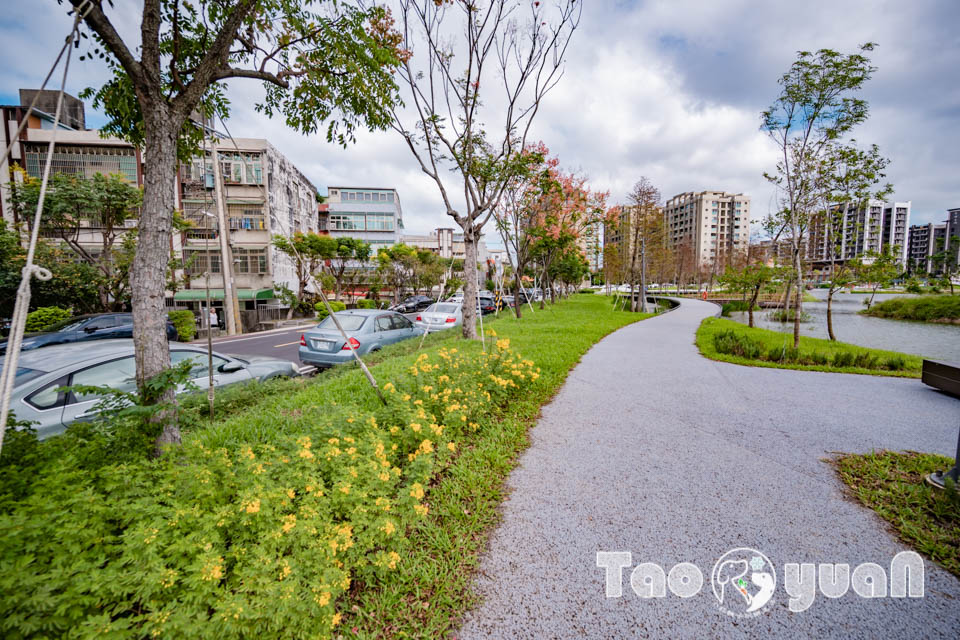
[[371, 214], [715, 225], [264, 194], [851, 231], [928, 240], [78, 151], [590, 242]]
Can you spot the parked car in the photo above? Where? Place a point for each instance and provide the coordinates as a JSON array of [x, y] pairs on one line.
[[39, 395], [367, 330], [487, 304], [413, 303], [442, 315], [98, 326]]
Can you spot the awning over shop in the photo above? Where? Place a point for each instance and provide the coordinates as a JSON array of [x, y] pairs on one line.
[[187, 295]]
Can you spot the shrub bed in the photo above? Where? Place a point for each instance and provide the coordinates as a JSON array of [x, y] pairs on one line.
[[321, 308], [185, 323], [731, 341], [945, 308], [45, 317], [253, 541]]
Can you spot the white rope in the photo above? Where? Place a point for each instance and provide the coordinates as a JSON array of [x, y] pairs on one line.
[[22, 305]]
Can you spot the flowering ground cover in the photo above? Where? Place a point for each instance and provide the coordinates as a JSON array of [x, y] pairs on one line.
[[311, 512]]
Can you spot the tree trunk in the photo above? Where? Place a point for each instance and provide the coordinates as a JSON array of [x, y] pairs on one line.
[[797, 305], [753, 302], [516, 296], [148, 272], [469, 285], [830, 314]]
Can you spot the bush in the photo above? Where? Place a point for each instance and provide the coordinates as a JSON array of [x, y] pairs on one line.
[[913, 286], [737, 344], [788, 315], [252, 538], [364, 303], [45, 317], [321, 308], [733, 307], [932, 308], [896, 363], [185, 323], [843, 359]]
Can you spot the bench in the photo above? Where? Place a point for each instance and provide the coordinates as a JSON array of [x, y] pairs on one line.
[[942, 375]]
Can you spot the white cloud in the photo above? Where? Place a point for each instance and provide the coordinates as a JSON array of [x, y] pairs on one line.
[[670, 89]]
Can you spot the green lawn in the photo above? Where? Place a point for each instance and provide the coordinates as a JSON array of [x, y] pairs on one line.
[[931, 308], [892, 484], [809, 347], [277, 517]]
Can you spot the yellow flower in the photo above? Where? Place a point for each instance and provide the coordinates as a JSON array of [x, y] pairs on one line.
[[417, 491], [394, 559], [212, 570], [427, 388], [389, 387], [345, 489], [289, 522], [323, 599], [306, 453], [336, 619], [253, 506], [389, 528], [493, 333], [421, 509], [415, 426], [349, 419], [291, 494], [426, 446], [451, 446]]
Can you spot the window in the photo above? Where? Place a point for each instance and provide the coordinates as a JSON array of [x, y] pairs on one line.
[[49, 396], [250, 260], [399, 322], [104, 322], [83, 161], [347, 222], [198, 367], [383, 324], [197, 262], [380, 222], [116, 374]]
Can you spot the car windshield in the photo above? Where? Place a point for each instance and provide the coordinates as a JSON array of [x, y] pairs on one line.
[[348, 321], [25, 375], [443, 308]]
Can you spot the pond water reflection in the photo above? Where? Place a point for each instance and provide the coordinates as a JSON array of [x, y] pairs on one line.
[[939, 341]]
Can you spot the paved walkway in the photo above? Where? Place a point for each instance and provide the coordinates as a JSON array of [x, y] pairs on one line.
[[653, 449]]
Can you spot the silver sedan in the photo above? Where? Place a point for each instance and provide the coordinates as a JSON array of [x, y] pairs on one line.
[[443, 315], [39, 395]]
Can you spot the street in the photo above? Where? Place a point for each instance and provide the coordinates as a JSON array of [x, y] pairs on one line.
[[279, 343]]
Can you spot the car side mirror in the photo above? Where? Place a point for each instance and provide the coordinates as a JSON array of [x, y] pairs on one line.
[[89, 329], [231, 367]]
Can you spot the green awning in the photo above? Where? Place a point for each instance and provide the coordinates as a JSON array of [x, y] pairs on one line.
[[186, 295]]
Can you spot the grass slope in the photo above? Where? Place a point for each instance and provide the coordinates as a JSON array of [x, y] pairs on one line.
[[711, 326], [941, 309], [892, 484]]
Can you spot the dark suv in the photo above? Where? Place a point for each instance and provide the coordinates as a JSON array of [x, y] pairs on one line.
[[100, 326], [413, 303]]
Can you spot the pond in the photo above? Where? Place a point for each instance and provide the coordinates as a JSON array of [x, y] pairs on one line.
[[938, 341]]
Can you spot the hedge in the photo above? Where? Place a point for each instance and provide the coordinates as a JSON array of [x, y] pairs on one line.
[[250, 539], [185, 323], [322, 312], [45, 317]]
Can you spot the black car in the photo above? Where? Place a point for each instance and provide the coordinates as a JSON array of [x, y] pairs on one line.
[[413, 303], [100, 326], [487, 304]]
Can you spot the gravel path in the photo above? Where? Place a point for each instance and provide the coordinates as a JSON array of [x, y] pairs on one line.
[[653, 449]]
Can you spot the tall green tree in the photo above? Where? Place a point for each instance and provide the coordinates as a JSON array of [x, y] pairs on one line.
[[89, 217], [750, 281], [307, 251], [320, 61], [817, 106], [878, 270]]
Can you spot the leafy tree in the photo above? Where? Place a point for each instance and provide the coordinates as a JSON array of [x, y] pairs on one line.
[[499, 55], [307, 250], [344, 259], [72, 206], [947, 261], [816, 107], [878, 270], [751, 280], [319, 61]]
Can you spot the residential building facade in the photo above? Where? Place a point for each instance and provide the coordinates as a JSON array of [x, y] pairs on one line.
[[850, 232], [925, 241], [446, 243], [264, 194], [715, 225], [371, 214]]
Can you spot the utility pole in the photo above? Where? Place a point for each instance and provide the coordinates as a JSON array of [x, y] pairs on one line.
[[230, 305]]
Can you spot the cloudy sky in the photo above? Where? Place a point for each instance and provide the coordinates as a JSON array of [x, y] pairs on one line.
[[668, 89]]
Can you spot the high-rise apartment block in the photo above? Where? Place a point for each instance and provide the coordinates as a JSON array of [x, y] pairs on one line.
[[850, 231], [929, 240], [714, 225]]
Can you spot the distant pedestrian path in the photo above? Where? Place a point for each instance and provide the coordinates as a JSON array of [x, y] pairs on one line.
[[652, 449]]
